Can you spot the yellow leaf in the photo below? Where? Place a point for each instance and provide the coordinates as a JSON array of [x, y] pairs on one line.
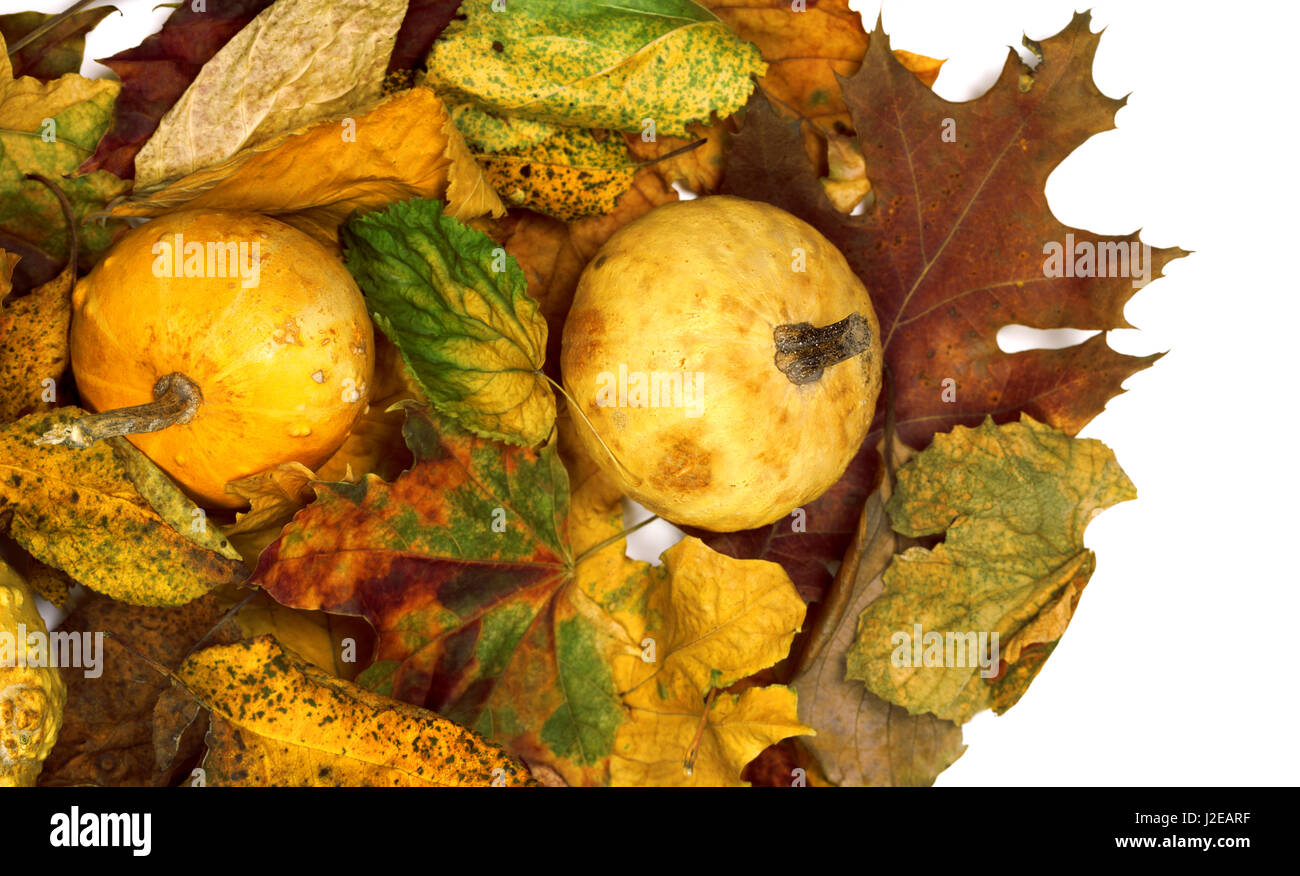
[[713, 620], [568, 175], [332, 734], [318, 637], [297, 62], [313, 178], [698, 169], [86, 512], [33, 341]]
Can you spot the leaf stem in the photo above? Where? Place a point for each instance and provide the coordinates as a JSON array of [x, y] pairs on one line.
[[48, 26], [577, 408], [693, 751], [69, 219], [618, 536]]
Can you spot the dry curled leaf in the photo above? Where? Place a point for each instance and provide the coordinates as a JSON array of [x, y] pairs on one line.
[[316, 177], [953, 623], [297, 62], [59, 50]]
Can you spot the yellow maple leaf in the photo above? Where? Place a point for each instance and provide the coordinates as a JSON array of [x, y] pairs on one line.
[[699, 622], [711, 620]]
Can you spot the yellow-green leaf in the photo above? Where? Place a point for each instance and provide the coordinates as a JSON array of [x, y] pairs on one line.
[[491, 133], [80, 511], [277, 720], [963, 627], [455, 304], [568, 175], [49, 129], [595, 63]]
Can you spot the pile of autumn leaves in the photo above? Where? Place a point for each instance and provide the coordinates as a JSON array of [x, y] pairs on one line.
[[554, 654]]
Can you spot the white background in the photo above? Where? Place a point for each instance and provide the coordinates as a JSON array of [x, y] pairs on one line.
[[1180, 665]]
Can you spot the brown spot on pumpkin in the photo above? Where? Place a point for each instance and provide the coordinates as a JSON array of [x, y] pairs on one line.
[[686, 466], [582, 336]]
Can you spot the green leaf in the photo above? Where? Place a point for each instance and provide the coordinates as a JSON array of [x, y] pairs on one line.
[[605, 64], [1012, 502], [490, 133], [49, 129], [454, 303]]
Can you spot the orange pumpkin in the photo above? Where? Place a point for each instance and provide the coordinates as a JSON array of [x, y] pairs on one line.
[[265, 322]]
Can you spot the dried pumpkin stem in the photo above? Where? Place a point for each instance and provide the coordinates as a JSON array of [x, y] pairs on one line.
[[176, 401], [804, 351]]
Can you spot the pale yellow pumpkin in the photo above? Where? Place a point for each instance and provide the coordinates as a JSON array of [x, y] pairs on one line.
[[281, 348], [771, 338], [32, 694]]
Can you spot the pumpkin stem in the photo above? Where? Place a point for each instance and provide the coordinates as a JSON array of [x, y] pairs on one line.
[[176, 401], [804, 351]]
